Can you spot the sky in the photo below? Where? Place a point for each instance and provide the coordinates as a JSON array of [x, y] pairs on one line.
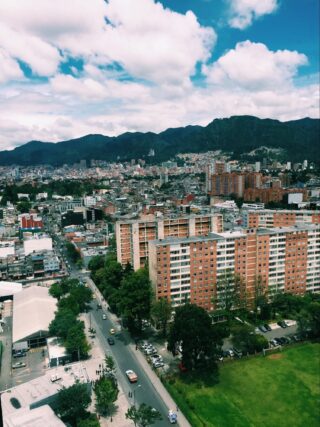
[[77, 67]]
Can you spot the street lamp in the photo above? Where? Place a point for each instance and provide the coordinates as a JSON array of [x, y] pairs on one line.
[[134, 394]]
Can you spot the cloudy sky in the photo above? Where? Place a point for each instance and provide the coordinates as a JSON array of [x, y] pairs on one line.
[[69, 68]]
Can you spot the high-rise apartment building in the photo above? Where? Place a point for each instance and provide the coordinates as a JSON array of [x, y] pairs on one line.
[[227, 183], [283, 259], [132, 236], [278, 218]]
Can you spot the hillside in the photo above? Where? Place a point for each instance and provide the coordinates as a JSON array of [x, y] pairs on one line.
[[299, 140]]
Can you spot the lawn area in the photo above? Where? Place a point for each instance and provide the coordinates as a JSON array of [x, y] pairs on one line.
[[278, 390]]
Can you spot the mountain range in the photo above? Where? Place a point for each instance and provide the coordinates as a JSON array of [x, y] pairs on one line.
[[240, 135]]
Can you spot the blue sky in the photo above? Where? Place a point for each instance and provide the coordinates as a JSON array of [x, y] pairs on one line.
[[73, 68]]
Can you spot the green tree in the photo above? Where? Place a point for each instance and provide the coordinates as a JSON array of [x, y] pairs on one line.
[[143, 416], [245, 339], [76, 342], [135, 298], [96, 262], [192, 328], [83, 296], [90, 421], [24, 206], [56, 291], [71, 403], [62, 323], [161, 312], [106, 392], [110, 363]]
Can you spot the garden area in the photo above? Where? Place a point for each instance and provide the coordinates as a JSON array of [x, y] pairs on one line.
[[280, 389]]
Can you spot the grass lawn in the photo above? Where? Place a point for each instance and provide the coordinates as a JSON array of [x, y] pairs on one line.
[[278, 390]]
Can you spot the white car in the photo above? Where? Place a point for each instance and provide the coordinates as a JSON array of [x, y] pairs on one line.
[[172, 416], [104, 316]]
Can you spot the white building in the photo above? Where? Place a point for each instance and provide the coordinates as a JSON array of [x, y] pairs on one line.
[[7, 248], [37, 243]]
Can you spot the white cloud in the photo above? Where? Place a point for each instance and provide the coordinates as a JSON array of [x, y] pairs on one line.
[[9, 69], [147, 40], [243, 12], [252, 66]]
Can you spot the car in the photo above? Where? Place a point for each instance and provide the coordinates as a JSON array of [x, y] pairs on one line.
[[282, 340], [19, 353], [104, 317], [132, 376], [268, 327], [230, 352], [156, 357], [18, 365], [158, 364], [99, 306], [274, 342], [112, 331], [110, 341], [172, 417], [282, 323], [262, 328]]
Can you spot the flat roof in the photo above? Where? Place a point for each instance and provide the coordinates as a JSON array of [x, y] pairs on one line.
[[38, 417], [35, 391], [9, 288], [33, 310]]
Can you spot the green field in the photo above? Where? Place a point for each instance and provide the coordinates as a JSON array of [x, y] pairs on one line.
[[278, 390]]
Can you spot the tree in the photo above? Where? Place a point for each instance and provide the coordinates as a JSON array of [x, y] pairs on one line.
[[24, 206], [192, 328], [71, 403], [96, 262], [143, 416], [106, 392], [110, 363], [76, 342], [90, 421], [62, 323], [245, 339], [56, 291], [82, 295], [161, 311], [135, 298], [231, 292]]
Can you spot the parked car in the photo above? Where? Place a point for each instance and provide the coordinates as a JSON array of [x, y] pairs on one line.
[[230, 352], [110, 341], [268, 327], [104, 316], [274, 342], [282, 323], [132, 376], [282, 340], [18, 365], [112, 331], [19, 353], [158, 364], [262, 328]]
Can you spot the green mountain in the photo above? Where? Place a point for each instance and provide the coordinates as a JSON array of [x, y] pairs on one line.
[[240, 135]]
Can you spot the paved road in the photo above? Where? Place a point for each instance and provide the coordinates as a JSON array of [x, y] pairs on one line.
[[143, 391]]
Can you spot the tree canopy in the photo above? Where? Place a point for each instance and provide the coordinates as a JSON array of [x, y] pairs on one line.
[[143, 416], [192, 328], [71, 403]]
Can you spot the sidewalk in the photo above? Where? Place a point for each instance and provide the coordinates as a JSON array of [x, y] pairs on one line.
[[97, 358], [160, 388]]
